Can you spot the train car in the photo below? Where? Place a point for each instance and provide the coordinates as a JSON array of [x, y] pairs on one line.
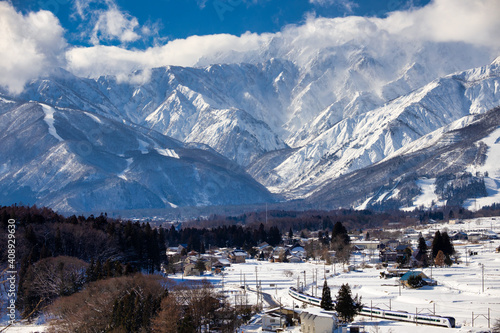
[[305, 298], [381, 313]]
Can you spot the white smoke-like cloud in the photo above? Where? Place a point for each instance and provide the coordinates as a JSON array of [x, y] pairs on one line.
[[32, 44], [469, 21], [103, 21], [347, 5], [29, 45], [475, 22]]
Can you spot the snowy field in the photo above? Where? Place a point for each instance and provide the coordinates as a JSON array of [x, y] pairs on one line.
[[459, 292]]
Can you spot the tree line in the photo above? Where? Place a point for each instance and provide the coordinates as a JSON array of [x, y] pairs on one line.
[[59, 256]]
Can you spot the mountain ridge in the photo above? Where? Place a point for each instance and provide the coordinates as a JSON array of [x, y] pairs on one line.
[[292, 125]]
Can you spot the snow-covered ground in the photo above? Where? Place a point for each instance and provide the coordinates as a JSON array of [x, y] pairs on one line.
[[459, 292]]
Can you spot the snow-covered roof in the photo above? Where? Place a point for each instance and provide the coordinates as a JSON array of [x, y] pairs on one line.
[[319, 313]]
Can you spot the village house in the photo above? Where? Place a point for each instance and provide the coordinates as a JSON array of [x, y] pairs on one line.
[[278, 318], [298, 251], [265, 248], [238, 256], [295, 259], [402, 251], [280, 254], [459, 235], [388, 254], [405, 278], [366, 245], [315, 320]]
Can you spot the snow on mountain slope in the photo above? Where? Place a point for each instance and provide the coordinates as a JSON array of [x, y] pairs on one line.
[[449, 169], [175, 101], [237, 134], [77, 161], [295, 117], [491, 171], [357, 142]]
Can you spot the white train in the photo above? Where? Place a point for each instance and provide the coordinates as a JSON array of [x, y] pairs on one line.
[[424, 319]]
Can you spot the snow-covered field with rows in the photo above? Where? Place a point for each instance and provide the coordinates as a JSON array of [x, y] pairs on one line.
[[459, 291]]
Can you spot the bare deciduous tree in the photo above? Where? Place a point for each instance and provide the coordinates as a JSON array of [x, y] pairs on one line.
[[91, 310]]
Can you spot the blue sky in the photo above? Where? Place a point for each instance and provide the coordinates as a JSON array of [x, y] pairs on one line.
[[173, 19], [90, 38]]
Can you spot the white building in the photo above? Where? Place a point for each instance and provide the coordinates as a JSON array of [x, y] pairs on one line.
[[315, 320], [272, 321]]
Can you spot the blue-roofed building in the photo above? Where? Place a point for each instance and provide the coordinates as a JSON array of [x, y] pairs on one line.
[[426, 280]]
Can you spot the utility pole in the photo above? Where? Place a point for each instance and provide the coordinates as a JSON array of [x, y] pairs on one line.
[[257, 286], [466, 264], [316, 282], [256, 280], [482, 276]]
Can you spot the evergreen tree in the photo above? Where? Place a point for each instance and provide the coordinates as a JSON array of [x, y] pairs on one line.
[[90, 272], [107, 269], [340, 239], [98, 271], [290, 233], [422, 251], [415, 281], [346, 306], [118, 268], [442, 243], [326, 298], [437, 243], [448, 248], [200, 266], [58, 245], [274, 237]]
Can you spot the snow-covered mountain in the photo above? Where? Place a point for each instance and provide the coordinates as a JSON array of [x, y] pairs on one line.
[[74, 160], [236, 109], [360, 141], [454, 165], [295, 119]]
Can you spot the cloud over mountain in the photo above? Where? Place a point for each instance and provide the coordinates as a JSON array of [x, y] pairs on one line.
[[29, 45], [32, 44]]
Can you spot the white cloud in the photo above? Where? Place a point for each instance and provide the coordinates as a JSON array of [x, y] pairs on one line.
[[114, 24], [201, 3], [30, 45], [103, 21], [475, 22], [347, 5], [100, 59], [468, 21]]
